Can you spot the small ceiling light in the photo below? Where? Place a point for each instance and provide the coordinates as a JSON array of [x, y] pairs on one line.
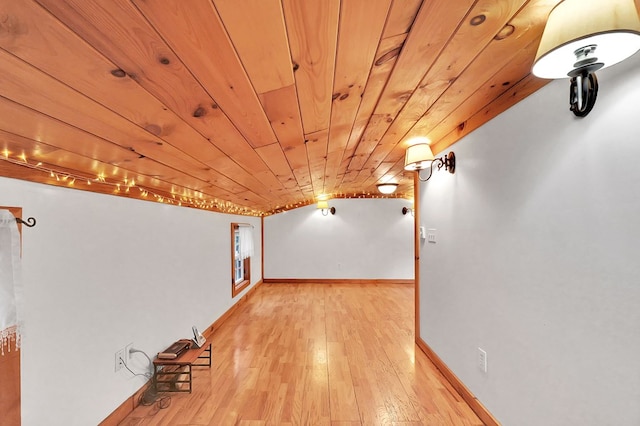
[[323, 205], [387, 188], [420, 156], [583, 36]]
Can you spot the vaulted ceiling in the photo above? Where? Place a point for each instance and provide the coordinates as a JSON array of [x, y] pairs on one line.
[[251, 106]]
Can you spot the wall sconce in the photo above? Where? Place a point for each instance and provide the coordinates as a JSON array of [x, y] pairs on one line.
[[323, 205], [581, 37], [420, 156], [406, 210], [387, 188]]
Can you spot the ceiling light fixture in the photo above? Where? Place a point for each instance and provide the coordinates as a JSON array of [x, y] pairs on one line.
[[387, 188], [323, 205], [420, 156], [583, 36]]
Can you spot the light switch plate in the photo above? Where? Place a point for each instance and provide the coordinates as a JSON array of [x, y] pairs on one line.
[[482, 360]]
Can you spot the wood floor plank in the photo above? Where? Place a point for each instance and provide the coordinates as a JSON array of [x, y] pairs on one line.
[[317, 354]]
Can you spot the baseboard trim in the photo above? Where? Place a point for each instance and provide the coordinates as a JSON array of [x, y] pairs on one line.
[[124, 409], [130, 404], [473, 402], [332, 281]]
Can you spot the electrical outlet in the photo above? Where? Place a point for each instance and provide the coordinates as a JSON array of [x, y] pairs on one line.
[[120, 357], [482, 360]]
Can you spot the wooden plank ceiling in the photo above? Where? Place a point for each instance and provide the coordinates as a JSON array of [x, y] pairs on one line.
[[251, 106]]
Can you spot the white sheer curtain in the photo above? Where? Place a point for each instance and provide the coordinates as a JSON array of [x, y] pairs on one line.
[[10, 282], [246, 241]]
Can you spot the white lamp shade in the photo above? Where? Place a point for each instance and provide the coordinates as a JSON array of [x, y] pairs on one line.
[[418, 156], [612, 25], [387, 188]]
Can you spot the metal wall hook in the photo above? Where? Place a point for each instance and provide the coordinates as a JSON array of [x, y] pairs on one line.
[[30, 222]]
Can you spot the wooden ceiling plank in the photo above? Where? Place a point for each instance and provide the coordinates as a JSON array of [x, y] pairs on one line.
[[25, 173], [61, 54], [274, 156], [28, 86], [360, 29], [331, 179], [394, 156], [312, 28], [350, 177], [227, 167], [118, 31], [484, 21], [368, 142], [250, 198], [389, 171], [488, 76], [196, 34], [22, 121], [361, 24], [297, 158], [316, 145], [28, 123], [282, 109], [527, 27], [54, 50], [303, 177], [515, 94], [481, 98], [386, 56], [401, 17], [281, 106], [258, 33], [59, 159], [109, 26], [434, 26], [517, 51], [59, 102]]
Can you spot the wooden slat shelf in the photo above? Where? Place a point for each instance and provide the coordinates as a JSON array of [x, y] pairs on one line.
[[175, 375]]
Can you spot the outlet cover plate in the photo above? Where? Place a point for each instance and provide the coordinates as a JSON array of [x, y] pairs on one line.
[[119, 359]]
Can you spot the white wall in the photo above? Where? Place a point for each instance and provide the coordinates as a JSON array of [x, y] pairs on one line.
[[537, 259], [365, 239], [101, 272]]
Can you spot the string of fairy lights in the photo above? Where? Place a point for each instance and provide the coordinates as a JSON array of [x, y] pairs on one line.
[[291, 206], [129, 187]]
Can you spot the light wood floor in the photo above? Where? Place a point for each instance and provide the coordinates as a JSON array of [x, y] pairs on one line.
[[317, 355]]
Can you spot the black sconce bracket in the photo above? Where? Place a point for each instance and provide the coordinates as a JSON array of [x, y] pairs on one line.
[[331, 210], [583, 91], [406, 210], [448, 162]]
